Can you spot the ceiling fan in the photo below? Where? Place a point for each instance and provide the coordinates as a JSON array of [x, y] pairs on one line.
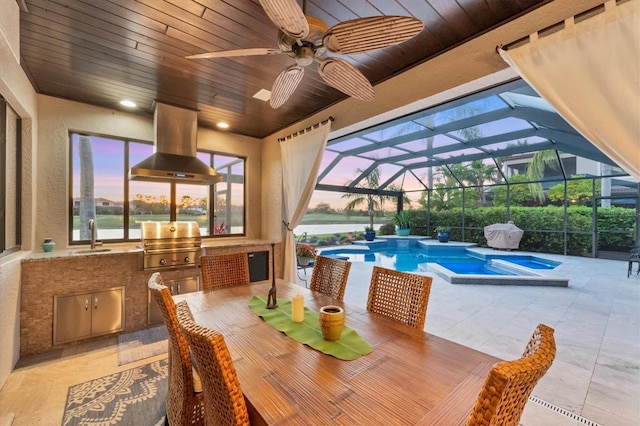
[[307, 39]]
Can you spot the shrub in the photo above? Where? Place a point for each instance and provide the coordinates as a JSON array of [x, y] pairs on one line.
[[387, 229], [543, 226]]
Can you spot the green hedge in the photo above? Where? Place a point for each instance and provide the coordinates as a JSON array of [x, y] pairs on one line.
[[543, 227]]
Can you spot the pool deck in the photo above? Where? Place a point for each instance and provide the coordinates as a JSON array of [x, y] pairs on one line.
[[595, 378]]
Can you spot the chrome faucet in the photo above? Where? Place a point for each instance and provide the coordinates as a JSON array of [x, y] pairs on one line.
[[93, 230]]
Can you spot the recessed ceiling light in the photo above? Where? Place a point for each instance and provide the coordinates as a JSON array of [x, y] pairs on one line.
[[223, 125], [128, 103], [263, 95]]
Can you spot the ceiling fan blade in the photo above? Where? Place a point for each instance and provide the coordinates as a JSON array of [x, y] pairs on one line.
[[346, 78], [238, 52], [285, 85], [287, 16], [364, 34]]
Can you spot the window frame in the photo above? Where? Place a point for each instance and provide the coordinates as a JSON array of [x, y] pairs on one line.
[[172, 191], [6, 164]]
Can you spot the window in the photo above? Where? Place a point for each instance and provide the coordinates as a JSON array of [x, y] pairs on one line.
[[10, 179], [101, 191]]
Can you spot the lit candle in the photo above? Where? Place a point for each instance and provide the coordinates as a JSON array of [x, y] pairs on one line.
[[297, 308]]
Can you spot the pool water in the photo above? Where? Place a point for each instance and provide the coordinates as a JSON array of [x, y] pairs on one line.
[[533, 262], [457, 260]]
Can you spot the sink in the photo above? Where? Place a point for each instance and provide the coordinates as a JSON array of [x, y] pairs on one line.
[[90, 251]]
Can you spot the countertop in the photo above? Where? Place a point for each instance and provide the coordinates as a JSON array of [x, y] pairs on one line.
[[128, 248]]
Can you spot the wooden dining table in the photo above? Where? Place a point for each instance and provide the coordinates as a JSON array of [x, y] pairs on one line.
[[411, 377]]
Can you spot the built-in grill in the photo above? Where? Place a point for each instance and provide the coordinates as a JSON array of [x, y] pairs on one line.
[[170, 245], [173, 249]]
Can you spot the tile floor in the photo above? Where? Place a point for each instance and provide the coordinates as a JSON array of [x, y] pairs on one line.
[[595, 378], [36, 391], [596, 373]]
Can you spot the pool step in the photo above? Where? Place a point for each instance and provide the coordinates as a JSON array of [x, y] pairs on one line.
[[530, 279]]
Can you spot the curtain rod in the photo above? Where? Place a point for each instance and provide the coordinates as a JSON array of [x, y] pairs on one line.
[[300, 132], [610, 4]]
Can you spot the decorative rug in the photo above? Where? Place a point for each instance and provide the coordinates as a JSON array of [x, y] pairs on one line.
[[131, 397], [142, 344]]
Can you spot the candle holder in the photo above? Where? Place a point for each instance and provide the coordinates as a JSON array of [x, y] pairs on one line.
[[272, 301]]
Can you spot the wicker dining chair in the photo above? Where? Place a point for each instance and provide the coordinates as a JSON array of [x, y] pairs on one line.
[[224, 402], [185, 405], [401, 296], [509, 384], [329, 276], [224, 270]]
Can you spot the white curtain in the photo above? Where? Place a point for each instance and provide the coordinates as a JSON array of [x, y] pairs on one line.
[[301, 158], [589, 72]]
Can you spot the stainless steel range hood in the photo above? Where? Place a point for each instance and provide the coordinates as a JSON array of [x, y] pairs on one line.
[[174, 159]]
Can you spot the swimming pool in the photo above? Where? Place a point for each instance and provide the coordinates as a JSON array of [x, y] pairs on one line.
[[455, 262], [456, 259]]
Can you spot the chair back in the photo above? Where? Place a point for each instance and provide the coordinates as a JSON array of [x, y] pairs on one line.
[[509, 384], [184, 405], [224, 270], [329, 276], [223, 399], [401, 296]]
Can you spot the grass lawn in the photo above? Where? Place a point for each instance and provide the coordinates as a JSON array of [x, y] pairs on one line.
[[328, 219], [108, 221]]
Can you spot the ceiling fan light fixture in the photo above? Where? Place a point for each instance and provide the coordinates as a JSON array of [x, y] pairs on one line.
[[304, 54]]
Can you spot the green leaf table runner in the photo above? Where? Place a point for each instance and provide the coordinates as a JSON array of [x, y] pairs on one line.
[[350, 346]]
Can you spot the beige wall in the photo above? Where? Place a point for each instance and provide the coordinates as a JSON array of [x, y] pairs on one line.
[[15, 88], [10, 271]]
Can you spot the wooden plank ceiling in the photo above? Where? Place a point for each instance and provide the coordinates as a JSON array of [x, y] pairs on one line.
[[99, 52]]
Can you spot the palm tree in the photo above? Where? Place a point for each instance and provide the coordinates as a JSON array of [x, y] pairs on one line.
[[444, 194], [476, 174], [372, 201], [87, 196], [535, 171], [406, 201]]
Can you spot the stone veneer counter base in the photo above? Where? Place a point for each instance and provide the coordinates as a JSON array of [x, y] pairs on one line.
[[61, 272]]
